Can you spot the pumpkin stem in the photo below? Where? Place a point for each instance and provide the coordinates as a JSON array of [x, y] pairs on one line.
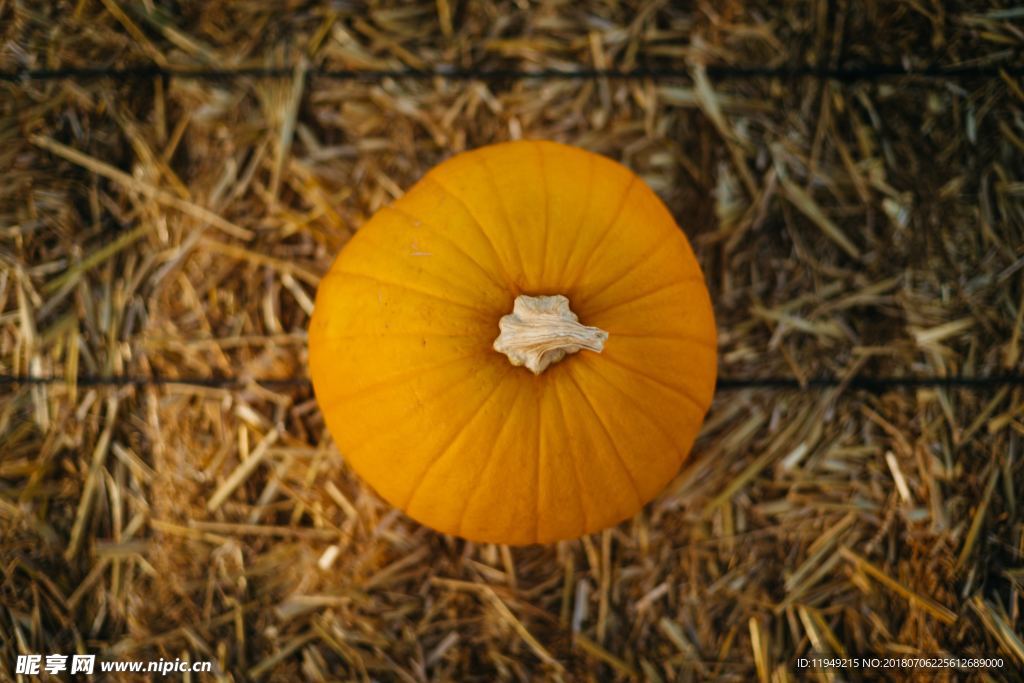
[[541, 330]]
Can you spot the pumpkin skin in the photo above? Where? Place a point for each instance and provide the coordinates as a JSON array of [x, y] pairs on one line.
[[443, 426]]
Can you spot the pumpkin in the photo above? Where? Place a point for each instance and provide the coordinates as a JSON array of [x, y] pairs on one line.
[[520, 349]]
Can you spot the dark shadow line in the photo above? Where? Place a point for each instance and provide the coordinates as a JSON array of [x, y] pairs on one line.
[[724, 383], [851, 73]]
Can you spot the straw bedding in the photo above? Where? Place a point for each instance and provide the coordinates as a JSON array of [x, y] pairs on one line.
[[177, 226]]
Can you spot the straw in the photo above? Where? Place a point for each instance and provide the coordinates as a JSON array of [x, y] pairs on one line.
[[176, 181]]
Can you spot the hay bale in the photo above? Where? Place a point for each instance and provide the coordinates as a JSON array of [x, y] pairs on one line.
[[170, 224]]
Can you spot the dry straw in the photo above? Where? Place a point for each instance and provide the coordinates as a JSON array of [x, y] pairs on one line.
[[176, 227]]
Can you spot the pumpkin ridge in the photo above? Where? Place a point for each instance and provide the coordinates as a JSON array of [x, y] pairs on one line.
[[547, 209], [689, 338], [608, 435], [610, 282], [640, 297], [452, 243], [656, 380], [632, 401], [475, 487], [462, 291], [381, 434], [392, 379], [500, 199], [413, 290], [537, 466], [607, 230], [447, 447], [439, 335], [591, 165], [479, 225], [575, 464]]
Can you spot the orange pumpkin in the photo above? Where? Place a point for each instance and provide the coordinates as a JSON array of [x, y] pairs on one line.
[[520, 349]]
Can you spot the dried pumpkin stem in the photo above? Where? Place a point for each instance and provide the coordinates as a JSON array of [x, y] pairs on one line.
[[541, 330]]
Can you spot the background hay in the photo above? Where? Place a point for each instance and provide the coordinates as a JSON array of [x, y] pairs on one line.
[[177, 226]]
